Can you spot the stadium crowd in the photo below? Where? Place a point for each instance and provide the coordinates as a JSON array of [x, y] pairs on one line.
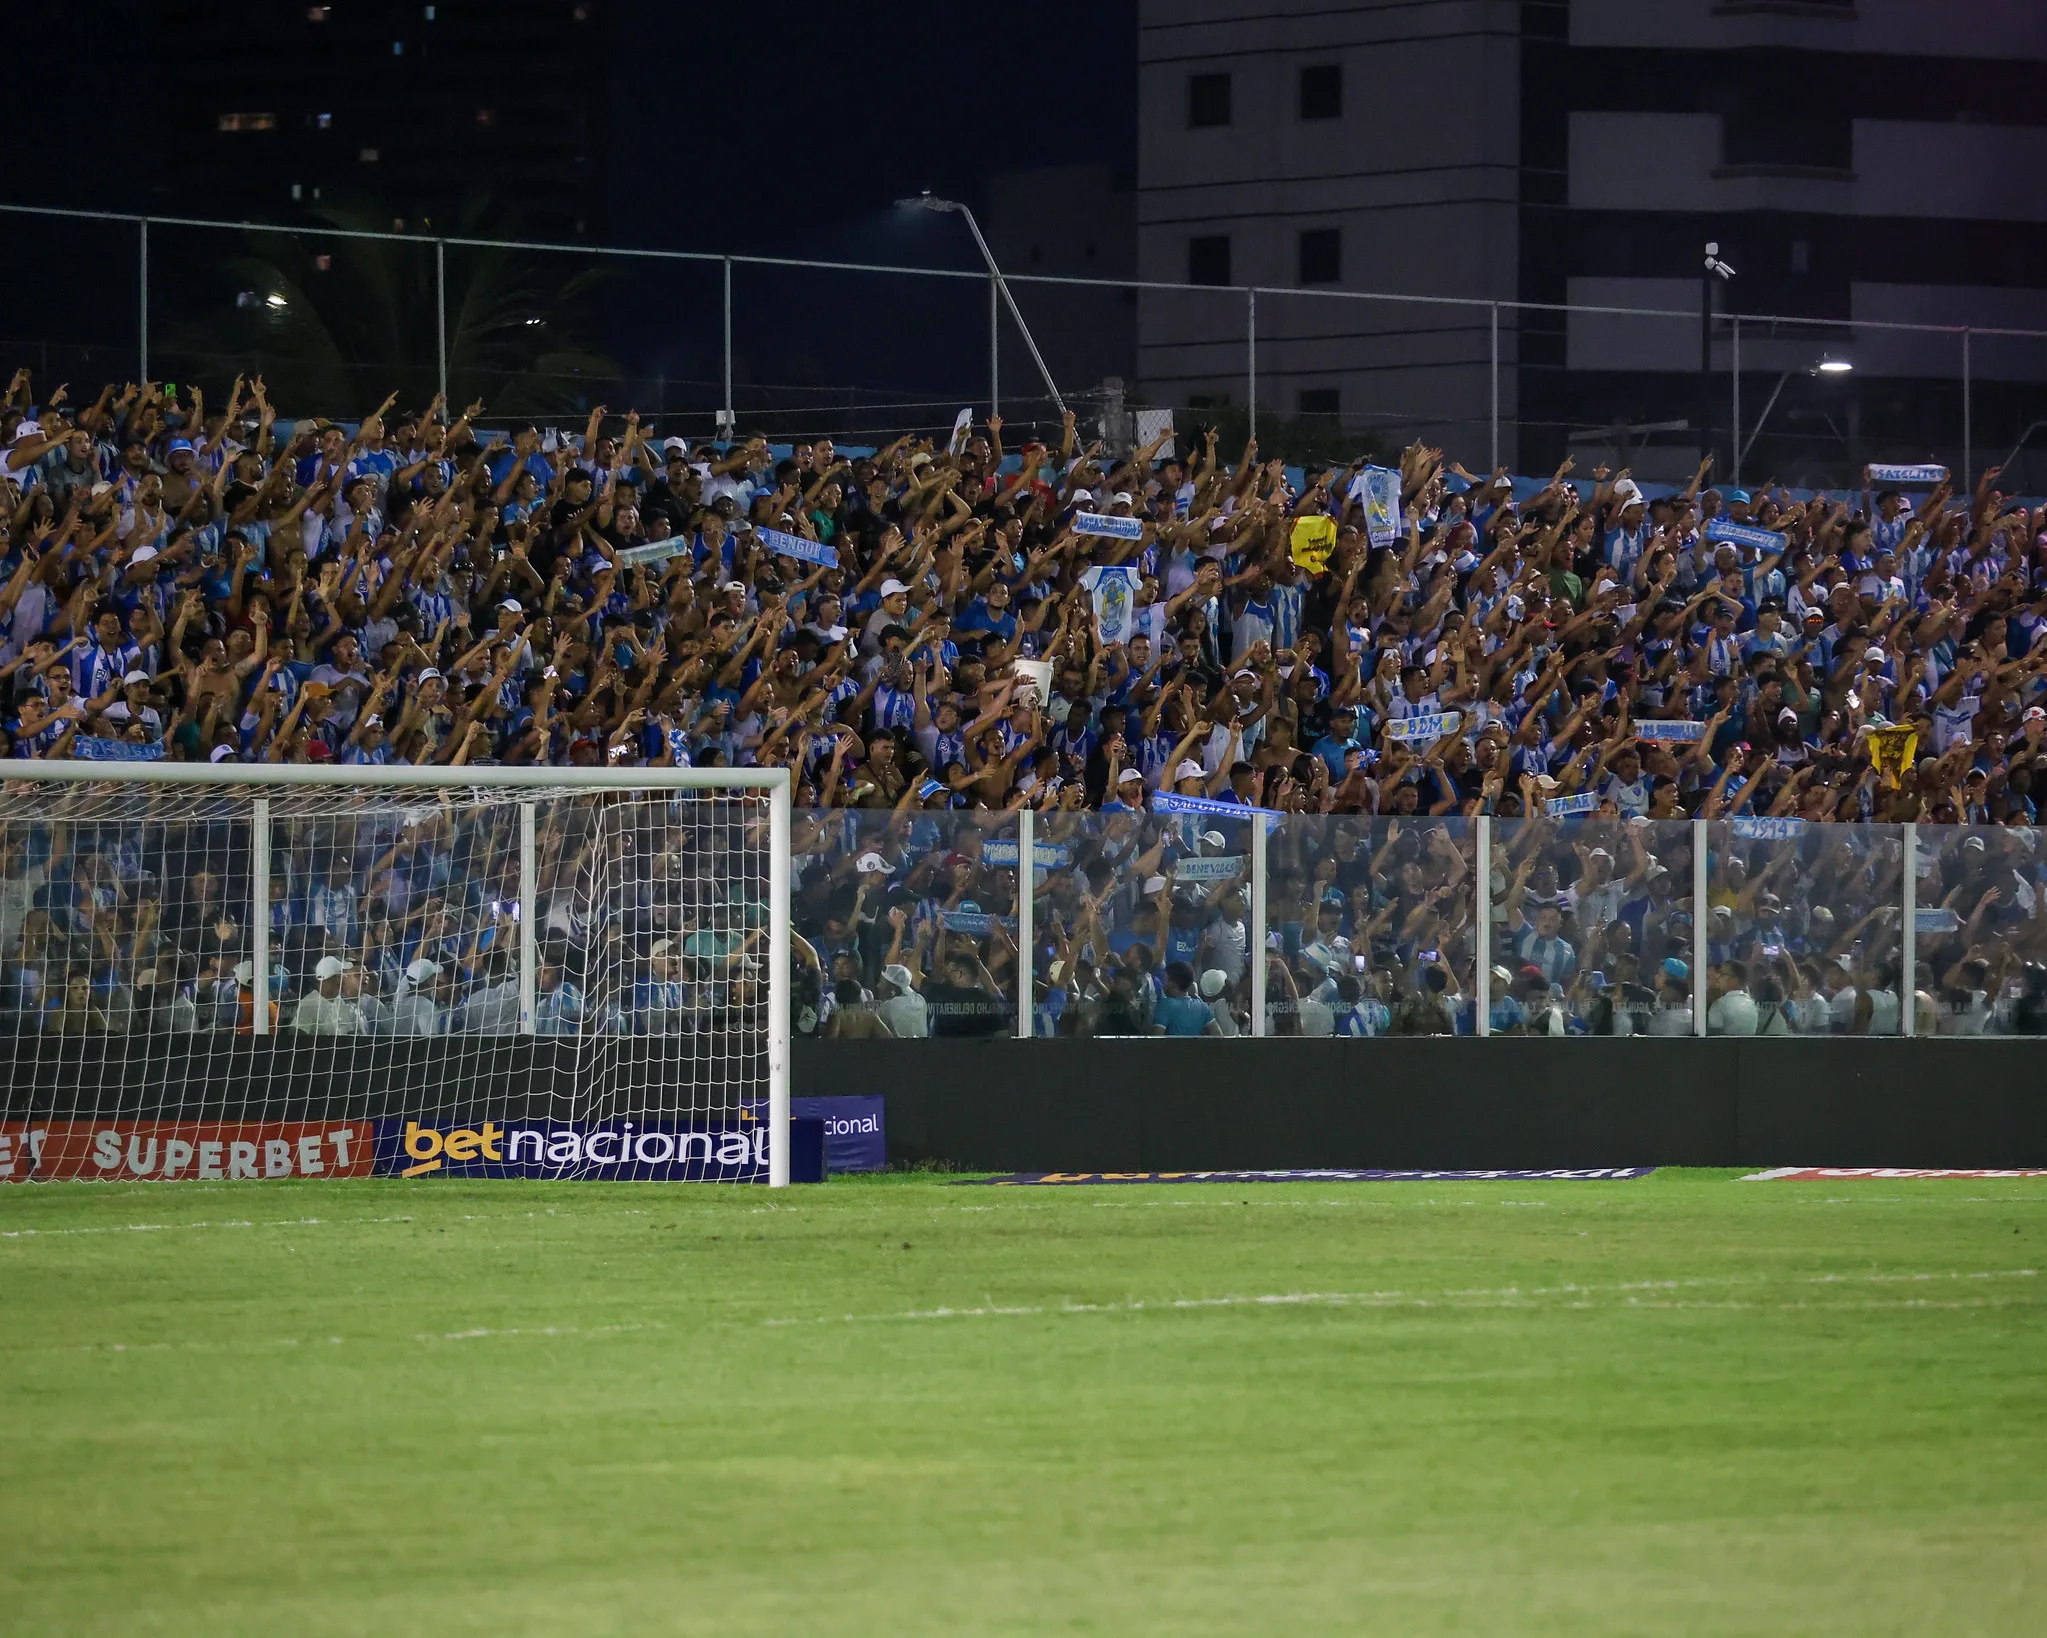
[[1141, 646]]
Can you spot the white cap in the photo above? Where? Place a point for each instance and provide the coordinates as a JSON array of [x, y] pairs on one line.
[[419, 972], [661, 947], [330, 967], [1084, 495], [143, 554], [135, 677], [245, 972], [891, 586], [220, 753], [735, 585], [430, 674], [899, 975], [1212, 838], [28, 429], [1154, 884], [1628, 493], [511, 605], [1121, 498], [1190, 769], [871, 864], [1129, 774], [675, 446], [1213, 983]]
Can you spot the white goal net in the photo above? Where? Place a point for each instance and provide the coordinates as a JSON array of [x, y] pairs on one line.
[[487, 972]]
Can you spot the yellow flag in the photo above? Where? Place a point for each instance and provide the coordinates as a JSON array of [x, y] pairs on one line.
[[1313, 539], [1891, 750]]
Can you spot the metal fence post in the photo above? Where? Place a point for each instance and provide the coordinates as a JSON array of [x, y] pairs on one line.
[[1255, 944], [142, 316], [1482, 937], [441, 314], [259, 912], [1251, 368], [1968, 422], [1495, 466], [529, 899], [994, 346], [1699, 919], [1734, 415], [1026, 921], [730, 421], [1908, 963]]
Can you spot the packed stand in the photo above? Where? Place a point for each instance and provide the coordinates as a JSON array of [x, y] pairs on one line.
[[1131, 644]]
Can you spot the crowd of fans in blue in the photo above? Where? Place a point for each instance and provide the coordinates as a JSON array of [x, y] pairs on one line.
[[1151, 649]]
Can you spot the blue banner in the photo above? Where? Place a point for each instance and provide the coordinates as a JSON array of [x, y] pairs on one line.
[[1761, 829], [1173, 802], [784, 544], [1683, 733], [1045, 855], [88, 749], [1561, 807], [1100, 523], [659, 551], [654, 1151], [855, 1131], [1936, 918], [976, 923], [1742, 534], [1928, 474]]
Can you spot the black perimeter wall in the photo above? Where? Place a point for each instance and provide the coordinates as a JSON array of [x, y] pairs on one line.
[[1156, 1105]]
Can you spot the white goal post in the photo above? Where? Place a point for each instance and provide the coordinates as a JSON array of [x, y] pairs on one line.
[[142, 903]]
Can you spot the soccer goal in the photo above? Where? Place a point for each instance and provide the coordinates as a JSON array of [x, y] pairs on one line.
[[228, 971]]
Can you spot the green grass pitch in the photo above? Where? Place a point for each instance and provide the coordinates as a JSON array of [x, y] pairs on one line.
[[1684, 1404]]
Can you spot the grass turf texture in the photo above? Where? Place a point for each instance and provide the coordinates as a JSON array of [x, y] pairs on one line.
[[1677, 1405]]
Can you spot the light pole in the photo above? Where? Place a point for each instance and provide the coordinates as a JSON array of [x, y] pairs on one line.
[[925, 201], [1715, 269]]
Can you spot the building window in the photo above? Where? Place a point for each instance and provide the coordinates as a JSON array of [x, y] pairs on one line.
[[1208, 259], [1208, 100], [1322, 401], [1321, 255], [248, 122], [1322, 91]]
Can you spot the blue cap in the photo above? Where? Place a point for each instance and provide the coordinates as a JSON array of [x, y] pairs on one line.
[[1674, 968], [1333, 895], [181, 443], [1738, 497]]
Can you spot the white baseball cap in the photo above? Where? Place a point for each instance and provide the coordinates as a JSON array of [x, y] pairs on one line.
[[511, 605], [135, 677], [675, 446], [1129, 774], [245, 972], [1213, 983], [899, 975], [430, 674], [330, 967], [419, 972], [1190, 769], [872, 864], [890, 587], [143, 554]]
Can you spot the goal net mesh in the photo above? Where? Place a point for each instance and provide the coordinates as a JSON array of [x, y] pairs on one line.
[[584, 973]]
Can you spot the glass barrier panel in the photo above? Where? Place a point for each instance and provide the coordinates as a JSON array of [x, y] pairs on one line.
[[905, 920], [1804, 928], [1977, 951], [1591, 926]]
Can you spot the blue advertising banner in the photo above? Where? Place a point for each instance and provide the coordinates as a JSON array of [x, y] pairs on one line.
[[89, 749], [1681, 732], [855, 1131], [1173, 802], [605, 1151], [1928, 474]]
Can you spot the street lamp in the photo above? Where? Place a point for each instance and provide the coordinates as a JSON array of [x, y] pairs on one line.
[[925, 201], [1825, 364]]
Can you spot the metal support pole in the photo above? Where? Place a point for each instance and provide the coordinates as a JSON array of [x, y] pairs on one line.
[[1734, 415], [142, 317], [441, 314], [1699, 927], [529, 899], [731, 423], [1251, 337], [1706, 366], [1026, 921], [1968, 421], [1908, 963], [1482, 938], [259, 912], [1256, 943], [994, 346], [1496, 395], [778, 986]]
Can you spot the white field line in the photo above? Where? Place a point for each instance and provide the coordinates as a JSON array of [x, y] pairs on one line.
[[1576, 1296]]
